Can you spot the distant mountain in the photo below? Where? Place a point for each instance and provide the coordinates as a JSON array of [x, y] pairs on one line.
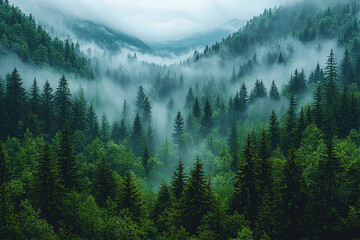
[[104, 36], [203, 38]]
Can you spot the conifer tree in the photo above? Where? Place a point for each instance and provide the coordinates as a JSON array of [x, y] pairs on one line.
[[244, 198], [259, 91], [4, 167], [140, 100], [346, 68], [104, 185], [47, 111], [244, 97], [145, 160], [3, 119], [265, 164], [234, 144], [297, 83], [318, 112], [151, 140], [137, 136], [15, 100], [274, 130], [330, 81], [131, 198], [274, 92], [293, 198], [162, 203], [178, 181], [190, 97], [194, 201], [146, 116], [62, 103], [79, 116], [35, 98], [196, 110], [92, 130], [289, 130], [67, 163], [355, 112], [344, 115], [123, 133], [47, 187], [207, 118], [179, 128], [104, 129]]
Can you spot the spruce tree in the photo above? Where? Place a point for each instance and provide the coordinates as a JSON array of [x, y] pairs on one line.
[[78, 121], [47, 110], [178, 181], [244, 198], [234, 144], [289, 135], [47, 187], [330, 81], [15, 100], [67, 163], [146, 116], [62, 103], [35, 98], [137, 136], [346, 68], [162, 204], [194, 202], [318, 112], [196, 110], [190, 97], [104, 185], [265, 164], [344, 115], [207, 121], [293, 198], [274, 130], [92, 131], [131, 198], [145, 160], [3, 118], [274, 92], [179, 128], [244, 97], [140, 99]]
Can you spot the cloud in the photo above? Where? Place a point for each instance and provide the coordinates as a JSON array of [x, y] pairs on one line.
[[155, 20]]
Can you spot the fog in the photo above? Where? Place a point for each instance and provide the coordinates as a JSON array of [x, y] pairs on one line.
[[152, 21]]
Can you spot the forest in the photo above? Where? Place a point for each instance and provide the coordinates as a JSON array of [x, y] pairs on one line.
[[236, 155]]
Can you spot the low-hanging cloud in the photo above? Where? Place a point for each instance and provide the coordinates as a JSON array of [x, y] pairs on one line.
[[156, 20]]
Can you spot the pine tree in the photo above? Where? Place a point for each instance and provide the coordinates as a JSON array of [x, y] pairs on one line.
[[234, 144], [274, 92], [48, 190], [355, 112], [293, 199], [274, 130], [259, 91], [15, 100], [244, 198], [3, 118], [104, 185], [47, 110], [179, 128], [207, 118], [131, 198], [123, 133], [318, 112], [67, 163], [162, 203], [151, 140], [297, 83], [137, 136], [35, 99], [4, 167], [178, 181], [330, 86], [62, 103], [104, 129], [194, 201], [79, 117], [145, 160], [346, 68], [196, 110], [344, 115]]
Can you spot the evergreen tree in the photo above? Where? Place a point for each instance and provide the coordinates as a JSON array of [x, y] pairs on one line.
[[190, 97], [67, 163], [297, 83], [145, 160], [207, 118], [104, 185], [274, 92], [162, 204], [344, 115], [355, 112], [47, 187], [140, 100], [79, 116], [244, 97], [104, 129], [346, 68], [62, 103], [318, 112], [274, 130], [179, 128], [194, 202], [123, 133], [35, 98], [265, 164], [15, 100], [196, 110], [178, 181], [3, 118], [330, 86], [289, 129], [244, 198], [234, 144], [92, 131], [151, 140], [137, 136], [146, 116], [300, 127], [259, 91], [293, 198], [47, 111], [131, 198]]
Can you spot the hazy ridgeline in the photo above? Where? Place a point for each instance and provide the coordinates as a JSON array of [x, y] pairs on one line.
[[261, 129]]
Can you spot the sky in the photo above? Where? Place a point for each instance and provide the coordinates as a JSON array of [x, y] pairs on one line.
[[154, 20]]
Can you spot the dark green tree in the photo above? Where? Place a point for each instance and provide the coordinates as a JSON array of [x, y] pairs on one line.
[[62, 103], [259, 91], [178, 181], [140, 100], [274, 92], [179, 128], [190, 97], [47, 110], [196, 110], [289, 128], [346, 69], [146, 116], [318, 107], [265, 164], [162, 204], [274, 130], [137, 136], [92, 131], [104, 185], [330, 82], [234, 145], [78, 121], [207, 120], [244, 97], [67, 163]]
